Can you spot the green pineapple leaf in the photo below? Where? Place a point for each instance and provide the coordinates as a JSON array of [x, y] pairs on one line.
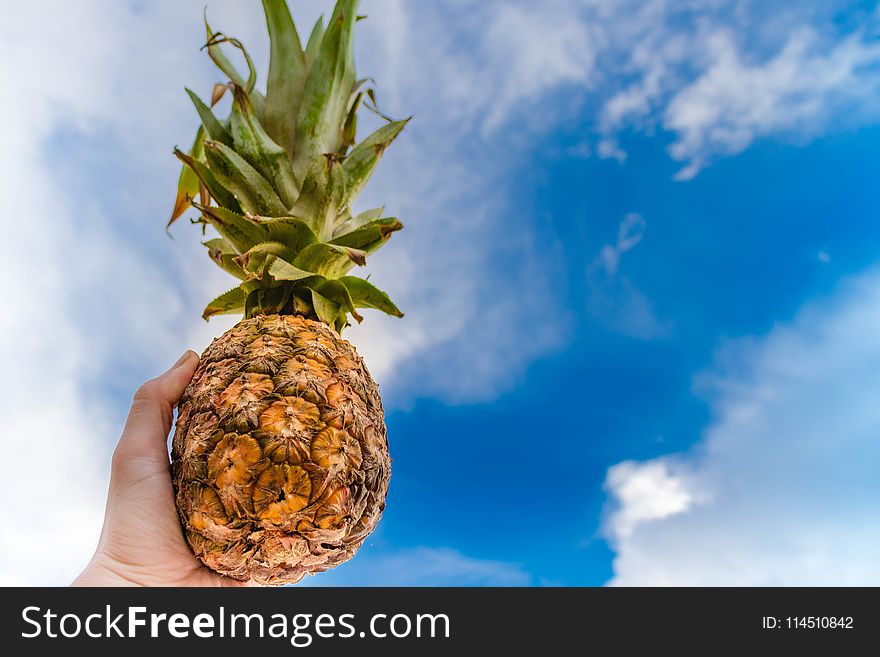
[[360, 163], [255, 145], [322, 194], [284, 271], [327, 89], [251, 189], [314, 44], [370, 236], [287, 74], [204, 174], [326, 310], [254, 259], [293, 232], [228, 262], [227, 303], [337, 293], [366, 295], [274, 299], [220, 245], [239, 231], [328, 259], [215, 129], [348, 223]]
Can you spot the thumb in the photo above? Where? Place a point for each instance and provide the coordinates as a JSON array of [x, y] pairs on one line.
[[149, 420]]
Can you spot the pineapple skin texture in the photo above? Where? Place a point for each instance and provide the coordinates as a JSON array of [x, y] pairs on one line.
[[280, 457]]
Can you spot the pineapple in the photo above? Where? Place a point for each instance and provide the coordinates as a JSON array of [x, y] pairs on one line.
[[280, 458]]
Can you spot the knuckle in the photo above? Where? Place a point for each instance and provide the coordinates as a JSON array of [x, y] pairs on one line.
[[119, 458], [148, 391]]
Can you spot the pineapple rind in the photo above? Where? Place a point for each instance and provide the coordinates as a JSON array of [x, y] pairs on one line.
[[280, 457]]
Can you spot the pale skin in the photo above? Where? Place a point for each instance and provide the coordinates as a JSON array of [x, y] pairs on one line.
[[142, 543]]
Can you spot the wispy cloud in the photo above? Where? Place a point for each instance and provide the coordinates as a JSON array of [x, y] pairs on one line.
[[629, 234], [795, 93], [613, 299], [782, 488], [720, 75]]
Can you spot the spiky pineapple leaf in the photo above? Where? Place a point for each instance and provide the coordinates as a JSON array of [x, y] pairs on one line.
[[287, 74], [314, 44], [215, 129], [255, 145], [227, 303], [224, 255], [188, 182], [254, 259], [326, 310], [239, 231], [327, 89], [337, 293], [268, 301], [328, 259], [360, 163], [228, 262], [348, 223], [321, 195], [215, 189], [294, 232], [366, 295], [221, 245], [284, 271], [252, 303], [252, 190], [370, 236], [274, 299]]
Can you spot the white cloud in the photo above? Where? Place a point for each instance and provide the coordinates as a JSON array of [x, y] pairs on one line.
[[720, 75], [532, 49], [55, 427], [716, 74], [645, 492], [426, 566], [629, 233], [796, 92], [782, 488], [613, 299], [609, 149]]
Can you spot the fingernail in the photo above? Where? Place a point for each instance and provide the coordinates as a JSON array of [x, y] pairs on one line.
[[187, 355]]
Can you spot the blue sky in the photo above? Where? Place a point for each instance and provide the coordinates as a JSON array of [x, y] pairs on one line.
[[639, 270]]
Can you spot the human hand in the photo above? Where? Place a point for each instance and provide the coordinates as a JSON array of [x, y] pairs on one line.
[[142, 543]]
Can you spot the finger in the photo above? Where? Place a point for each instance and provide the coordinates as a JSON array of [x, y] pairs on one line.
[[152, 410]]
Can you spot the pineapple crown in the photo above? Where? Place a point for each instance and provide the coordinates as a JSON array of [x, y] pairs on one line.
[[277, 177]]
